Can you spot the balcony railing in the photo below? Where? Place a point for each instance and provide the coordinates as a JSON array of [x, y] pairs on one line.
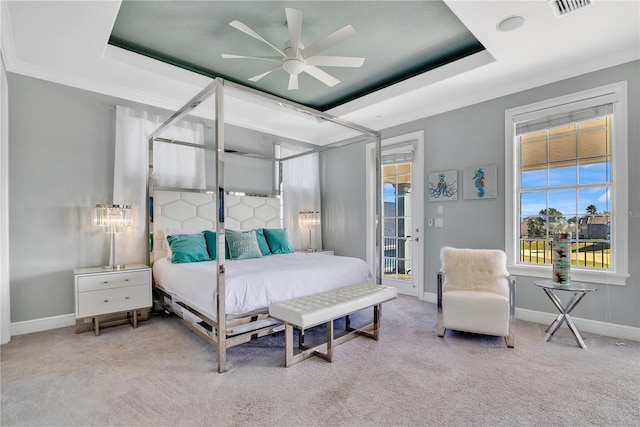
[[584, 253]]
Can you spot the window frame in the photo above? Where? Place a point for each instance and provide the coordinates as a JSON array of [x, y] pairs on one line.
[[615, 93]]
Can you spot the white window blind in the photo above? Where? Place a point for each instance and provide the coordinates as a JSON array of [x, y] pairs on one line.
[[562, 119]]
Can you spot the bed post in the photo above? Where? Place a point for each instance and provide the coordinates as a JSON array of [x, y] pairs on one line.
[[219, 185], [378, 218]]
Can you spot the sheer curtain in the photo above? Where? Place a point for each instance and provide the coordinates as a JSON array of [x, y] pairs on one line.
[[301, 192], [174, 166]]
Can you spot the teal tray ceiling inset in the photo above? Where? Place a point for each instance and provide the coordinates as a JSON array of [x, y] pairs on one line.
[[398, 39]]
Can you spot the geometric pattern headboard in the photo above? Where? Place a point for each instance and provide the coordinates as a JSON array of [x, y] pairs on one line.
[[196, 211]]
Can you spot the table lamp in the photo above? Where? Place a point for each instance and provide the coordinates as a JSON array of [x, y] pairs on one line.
[[112, 219], [310, 220]]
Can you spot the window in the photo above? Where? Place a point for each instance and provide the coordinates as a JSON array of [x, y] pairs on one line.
[[566, 162]]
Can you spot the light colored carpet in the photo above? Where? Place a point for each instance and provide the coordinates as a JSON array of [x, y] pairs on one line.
[[162, 374]]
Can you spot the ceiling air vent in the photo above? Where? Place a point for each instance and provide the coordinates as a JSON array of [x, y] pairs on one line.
[[562, 7]]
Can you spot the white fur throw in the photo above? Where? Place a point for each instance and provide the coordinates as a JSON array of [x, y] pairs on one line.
[[475, 270]]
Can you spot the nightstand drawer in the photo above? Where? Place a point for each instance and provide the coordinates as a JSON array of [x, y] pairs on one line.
[[98, 282], [113, 300]]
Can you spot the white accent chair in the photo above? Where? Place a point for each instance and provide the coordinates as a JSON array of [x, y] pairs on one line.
[[476, 293]]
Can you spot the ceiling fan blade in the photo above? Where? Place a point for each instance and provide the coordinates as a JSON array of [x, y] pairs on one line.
[[265, 58], [323, 76], [336, 61], [331, 40], [293, 81], [242, 27], [259, 76], [294, 22]]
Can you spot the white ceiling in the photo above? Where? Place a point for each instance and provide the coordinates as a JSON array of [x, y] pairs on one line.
[[66, 42]]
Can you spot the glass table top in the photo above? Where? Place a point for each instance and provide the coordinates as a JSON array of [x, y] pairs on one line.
[[571, 286]]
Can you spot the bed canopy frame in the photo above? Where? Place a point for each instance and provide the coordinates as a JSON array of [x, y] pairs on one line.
[[227, 102]]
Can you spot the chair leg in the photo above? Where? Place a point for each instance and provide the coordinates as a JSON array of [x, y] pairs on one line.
[[510, 340], [440, 325]]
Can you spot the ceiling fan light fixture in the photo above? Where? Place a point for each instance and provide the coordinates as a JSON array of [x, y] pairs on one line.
[[293, 66]]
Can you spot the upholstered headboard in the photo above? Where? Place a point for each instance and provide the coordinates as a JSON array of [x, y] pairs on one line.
[[197, 211]]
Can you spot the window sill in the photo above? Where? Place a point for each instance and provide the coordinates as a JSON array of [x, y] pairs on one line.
[[578, 275]]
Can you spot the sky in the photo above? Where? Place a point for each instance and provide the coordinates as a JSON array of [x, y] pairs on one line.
[[570, 202]]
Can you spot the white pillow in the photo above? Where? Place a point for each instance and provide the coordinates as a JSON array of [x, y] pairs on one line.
[[172, 232]]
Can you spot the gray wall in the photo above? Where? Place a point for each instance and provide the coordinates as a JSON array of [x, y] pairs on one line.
[[61, 164], [61, 154], [474, 136]]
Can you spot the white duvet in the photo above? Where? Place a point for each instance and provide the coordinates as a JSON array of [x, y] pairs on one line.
[[253, 284]]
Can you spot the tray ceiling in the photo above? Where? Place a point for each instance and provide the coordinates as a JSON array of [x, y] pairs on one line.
[[398, 39]]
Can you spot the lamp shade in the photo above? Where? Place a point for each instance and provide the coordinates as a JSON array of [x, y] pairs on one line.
[[112, 218], [309, 219]]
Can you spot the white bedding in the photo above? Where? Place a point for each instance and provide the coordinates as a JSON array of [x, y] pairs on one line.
[[253, 284]]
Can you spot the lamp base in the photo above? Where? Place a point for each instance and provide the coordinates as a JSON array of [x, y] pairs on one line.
[[114, 267]]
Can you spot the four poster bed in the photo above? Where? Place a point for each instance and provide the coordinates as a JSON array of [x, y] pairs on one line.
[[226, 299]]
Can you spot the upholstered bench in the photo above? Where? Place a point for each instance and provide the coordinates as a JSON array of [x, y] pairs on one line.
[[313, 310]]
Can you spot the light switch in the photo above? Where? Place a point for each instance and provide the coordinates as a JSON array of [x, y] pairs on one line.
[[439, 222], [440, 209]]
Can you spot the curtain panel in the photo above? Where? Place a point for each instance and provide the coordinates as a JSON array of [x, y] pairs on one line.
[[301, 192], [174, 166]]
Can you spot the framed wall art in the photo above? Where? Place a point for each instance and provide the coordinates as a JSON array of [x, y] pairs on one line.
[[443, 185], [480, 182]]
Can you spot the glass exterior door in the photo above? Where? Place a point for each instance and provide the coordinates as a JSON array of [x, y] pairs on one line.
[[397, 232]]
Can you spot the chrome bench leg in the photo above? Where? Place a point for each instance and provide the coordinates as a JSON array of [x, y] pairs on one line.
[[288, 344]]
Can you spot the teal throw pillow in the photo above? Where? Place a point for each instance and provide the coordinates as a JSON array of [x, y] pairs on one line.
[[243, 244], [278, 240], [188, 248], [262, 242], [212, 243], [211, 238]]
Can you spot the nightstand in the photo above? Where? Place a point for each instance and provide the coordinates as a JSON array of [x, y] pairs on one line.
[[101, 292]]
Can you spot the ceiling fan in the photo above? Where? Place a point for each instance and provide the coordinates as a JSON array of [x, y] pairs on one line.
[[295, 58]]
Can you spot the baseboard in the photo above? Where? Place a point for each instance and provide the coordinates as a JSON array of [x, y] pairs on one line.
[[44, 324], [430, 297], [587, 325]]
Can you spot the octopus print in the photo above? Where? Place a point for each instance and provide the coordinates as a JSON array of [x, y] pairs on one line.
[[442, 188]]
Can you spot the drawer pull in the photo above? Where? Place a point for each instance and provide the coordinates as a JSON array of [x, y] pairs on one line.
[[106, 300], [126, 297], [126, 280], [105, 282]]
